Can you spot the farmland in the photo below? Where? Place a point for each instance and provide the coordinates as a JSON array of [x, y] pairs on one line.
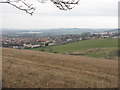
[[100, 47], [35, 69]]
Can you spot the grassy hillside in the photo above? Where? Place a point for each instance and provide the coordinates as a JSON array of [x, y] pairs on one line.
[[34, 69], [83, 46]]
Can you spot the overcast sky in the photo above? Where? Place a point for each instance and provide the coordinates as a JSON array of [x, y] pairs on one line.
[[88, 14]]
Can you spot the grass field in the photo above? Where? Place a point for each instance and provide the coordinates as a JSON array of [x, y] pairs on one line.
[[35, 69], [105, 48]]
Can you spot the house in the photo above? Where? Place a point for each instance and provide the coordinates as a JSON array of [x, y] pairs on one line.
[[31, 46], [51, 44]]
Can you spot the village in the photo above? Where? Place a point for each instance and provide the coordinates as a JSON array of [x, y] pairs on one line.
[[32, 42]]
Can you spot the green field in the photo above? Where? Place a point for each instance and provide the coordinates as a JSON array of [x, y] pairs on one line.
[[106, 48]]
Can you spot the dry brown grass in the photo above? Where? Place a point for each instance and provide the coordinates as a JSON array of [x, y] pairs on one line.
[[34, 69], [107, 53]]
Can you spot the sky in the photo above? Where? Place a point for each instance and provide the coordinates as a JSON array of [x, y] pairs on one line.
[[87, 14]]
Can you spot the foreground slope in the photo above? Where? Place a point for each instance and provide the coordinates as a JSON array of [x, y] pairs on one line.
[[26, 68]]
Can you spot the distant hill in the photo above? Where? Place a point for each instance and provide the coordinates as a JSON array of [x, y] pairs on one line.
[[113, 30], [34, 69], [57, 31]]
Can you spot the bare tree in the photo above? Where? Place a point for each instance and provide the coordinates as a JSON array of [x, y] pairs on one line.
[[28, 8]]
